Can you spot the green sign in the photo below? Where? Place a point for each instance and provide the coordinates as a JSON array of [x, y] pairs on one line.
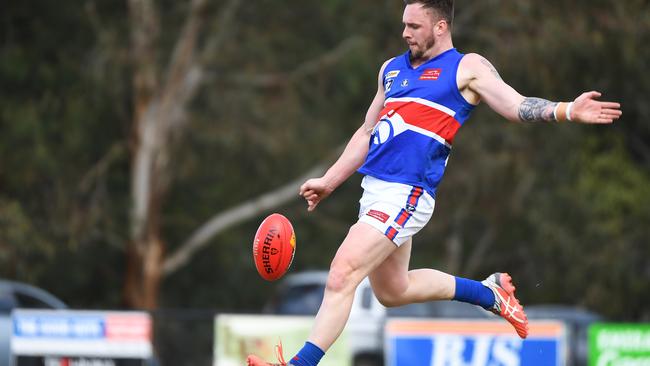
[[240, 335], [619, 345]]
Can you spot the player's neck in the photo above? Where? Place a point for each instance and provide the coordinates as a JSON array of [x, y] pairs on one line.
[[433, 52]]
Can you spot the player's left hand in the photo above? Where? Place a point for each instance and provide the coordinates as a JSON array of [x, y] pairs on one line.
[[587, 109], [315, 190]]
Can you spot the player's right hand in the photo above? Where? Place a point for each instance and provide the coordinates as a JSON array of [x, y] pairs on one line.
[[315, 190]]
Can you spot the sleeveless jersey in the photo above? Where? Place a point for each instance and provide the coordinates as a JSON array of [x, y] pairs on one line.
[[422, 112]]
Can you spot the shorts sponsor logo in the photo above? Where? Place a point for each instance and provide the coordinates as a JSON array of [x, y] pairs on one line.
[[410, 208], [383, 217]]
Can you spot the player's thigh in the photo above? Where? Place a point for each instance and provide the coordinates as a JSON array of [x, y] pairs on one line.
[[390, 278], [362, 250]]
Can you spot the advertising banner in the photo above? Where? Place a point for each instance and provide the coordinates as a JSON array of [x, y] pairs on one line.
[[619, 345], [473, 343], [56, 337], [237, 336]]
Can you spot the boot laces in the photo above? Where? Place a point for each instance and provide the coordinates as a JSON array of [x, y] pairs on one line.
[[278, 353]]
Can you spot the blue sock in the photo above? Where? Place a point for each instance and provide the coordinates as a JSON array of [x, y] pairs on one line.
[[473, 292], [309, 355]]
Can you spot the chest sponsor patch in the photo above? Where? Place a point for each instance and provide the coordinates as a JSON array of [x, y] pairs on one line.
[[381, 216], [431, 74]]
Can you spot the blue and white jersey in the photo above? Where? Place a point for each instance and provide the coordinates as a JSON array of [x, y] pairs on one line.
[[422, 113]]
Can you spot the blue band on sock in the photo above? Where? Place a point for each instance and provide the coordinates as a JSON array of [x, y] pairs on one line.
[[309, 355], [473, 292]]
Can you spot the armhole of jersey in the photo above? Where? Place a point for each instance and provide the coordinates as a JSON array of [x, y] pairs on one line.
[[454, 83], [383, 73]]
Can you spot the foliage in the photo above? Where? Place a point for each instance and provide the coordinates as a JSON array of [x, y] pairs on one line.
[[564, 208]]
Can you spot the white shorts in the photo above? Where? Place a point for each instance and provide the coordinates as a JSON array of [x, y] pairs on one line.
[[397, 210]]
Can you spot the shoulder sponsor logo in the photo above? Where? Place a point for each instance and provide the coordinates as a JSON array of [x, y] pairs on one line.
[[431, 74], [381, 216], [392, 74]]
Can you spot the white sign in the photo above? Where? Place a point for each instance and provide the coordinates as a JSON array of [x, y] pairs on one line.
[[81, 333]]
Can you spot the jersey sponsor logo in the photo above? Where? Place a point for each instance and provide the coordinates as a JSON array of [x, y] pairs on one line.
[[392, 74], [381, 216], [431, 74]]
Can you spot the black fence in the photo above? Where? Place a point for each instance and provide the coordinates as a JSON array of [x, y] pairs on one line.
[[183, 337]]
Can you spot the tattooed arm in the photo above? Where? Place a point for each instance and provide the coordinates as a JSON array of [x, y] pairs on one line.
[[536, 109], [478, 80]]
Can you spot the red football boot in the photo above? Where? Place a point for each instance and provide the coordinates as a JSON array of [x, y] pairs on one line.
[[253, 360], [506, 305]]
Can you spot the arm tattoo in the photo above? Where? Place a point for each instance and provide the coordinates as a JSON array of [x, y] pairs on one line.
[[491, 67], [536, 110]]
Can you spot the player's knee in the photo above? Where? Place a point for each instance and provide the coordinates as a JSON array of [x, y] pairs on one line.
[[389, 299], [336, 280], [389, 290], [341, 276]]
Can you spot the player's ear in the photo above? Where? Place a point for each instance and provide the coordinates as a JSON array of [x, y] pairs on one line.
[[441, 27]]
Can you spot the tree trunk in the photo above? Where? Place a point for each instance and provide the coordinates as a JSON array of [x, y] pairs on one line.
[[150, 184], [159, 105], [145, 247], [143, 273]]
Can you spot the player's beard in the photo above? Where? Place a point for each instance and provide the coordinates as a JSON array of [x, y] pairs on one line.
[[418, 50]]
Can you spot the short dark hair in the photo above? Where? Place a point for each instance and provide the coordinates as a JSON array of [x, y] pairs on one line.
[[443, 8]]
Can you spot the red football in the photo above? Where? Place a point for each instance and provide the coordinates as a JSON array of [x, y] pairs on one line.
[[273, 247]]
